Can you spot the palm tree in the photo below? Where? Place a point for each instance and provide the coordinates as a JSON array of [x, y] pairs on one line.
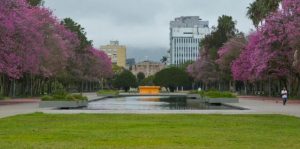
[[36, 2], [260, 9], [253, 13], [164, 60]]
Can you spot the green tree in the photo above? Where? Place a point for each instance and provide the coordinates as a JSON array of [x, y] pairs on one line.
[[260, 9], [225, 30], [206, 69], [164, 59], [36, 2], [140, 77], [117, 69], [148, 81], [76, 28], [78, 66], [213, 42], [185, 65], [125, 80], [172, 78]]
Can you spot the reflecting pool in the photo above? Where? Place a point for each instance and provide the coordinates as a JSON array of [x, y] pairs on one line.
[[153, 103]]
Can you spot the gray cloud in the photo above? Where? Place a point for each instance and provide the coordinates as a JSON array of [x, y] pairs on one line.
[[143, 25]]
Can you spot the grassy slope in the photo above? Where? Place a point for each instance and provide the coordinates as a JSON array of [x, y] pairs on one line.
[[150, 131]]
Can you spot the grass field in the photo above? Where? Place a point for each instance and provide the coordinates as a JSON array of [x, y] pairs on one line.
[[150, 131]]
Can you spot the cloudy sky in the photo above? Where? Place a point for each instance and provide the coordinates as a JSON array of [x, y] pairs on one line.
[[143, 25]]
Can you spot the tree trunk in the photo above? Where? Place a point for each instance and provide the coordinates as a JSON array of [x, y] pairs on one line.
[[245, 86], [31, 85], [14, 88], [81, 90], [1, 85]]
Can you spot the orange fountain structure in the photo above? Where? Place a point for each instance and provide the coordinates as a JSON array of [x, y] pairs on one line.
[[152, 90]]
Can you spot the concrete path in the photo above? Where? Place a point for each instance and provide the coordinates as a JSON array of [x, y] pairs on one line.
[[273, 106], [17, 109], [26, 106], [254, 106], [18, 101]]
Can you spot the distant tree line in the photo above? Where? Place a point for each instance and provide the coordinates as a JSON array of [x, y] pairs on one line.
[[172, 78]]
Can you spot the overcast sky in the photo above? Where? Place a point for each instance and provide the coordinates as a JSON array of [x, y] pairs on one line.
[[143, 25]]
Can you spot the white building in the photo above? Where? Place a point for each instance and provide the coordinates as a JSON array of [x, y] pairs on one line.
[[185, 36]]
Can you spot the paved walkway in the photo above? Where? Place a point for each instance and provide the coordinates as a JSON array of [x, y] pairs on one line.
[[16, 109], [259, 105], [26, 106], [255, 105], [18, 101]]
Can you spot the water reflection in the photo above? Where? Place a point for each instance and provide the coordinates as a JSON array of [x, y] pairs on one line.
[[152, 103]]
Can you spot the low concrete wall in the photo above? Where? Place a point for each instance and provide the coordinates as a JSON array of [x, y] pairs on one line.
[[193, 96], [63, 104], [221, 100], [213, 100]]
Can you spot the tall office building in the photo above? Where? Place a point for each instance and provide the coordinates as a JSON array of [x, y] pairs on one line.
[[116, 52], [185, 36]]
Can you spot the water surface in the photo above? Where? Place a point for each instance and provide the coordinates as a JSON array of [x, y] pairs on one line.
[[153, 103]]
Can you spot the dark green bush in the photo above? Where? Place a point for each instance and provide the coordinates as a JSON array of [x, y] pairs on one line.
[[70, 97], [79, 97], [59, 96], [47, 98], [108, 92], [294, 97], [64, 97]]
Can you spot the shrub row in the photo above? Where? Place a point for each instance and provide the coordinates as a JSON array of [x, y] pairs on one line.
[[108, 92], [215, 94], [64, 97]]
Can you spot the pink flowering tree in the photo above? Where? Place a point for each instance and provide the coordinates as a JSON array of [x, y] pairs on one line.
[[228, 53], [204, 70], [291, 11], [101, 66], [253, 60], [36, 49], [272, 51]]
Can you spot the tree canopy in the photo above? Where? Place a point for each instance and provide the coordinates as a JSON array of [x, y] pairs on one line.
[[35, 46], [125, 80], [206, 69], [148, 81], [224, 31], [260, 9], [140, 77], [172, 78], [270, 53], [36, 2], [79, 31]]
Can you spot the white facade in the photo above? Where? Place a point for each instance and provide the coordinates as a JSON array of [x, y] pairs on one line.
[[185, 36]]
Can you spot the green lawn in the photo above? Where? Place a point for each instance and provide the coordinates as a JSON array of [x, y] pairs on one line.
[[150, 131]]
